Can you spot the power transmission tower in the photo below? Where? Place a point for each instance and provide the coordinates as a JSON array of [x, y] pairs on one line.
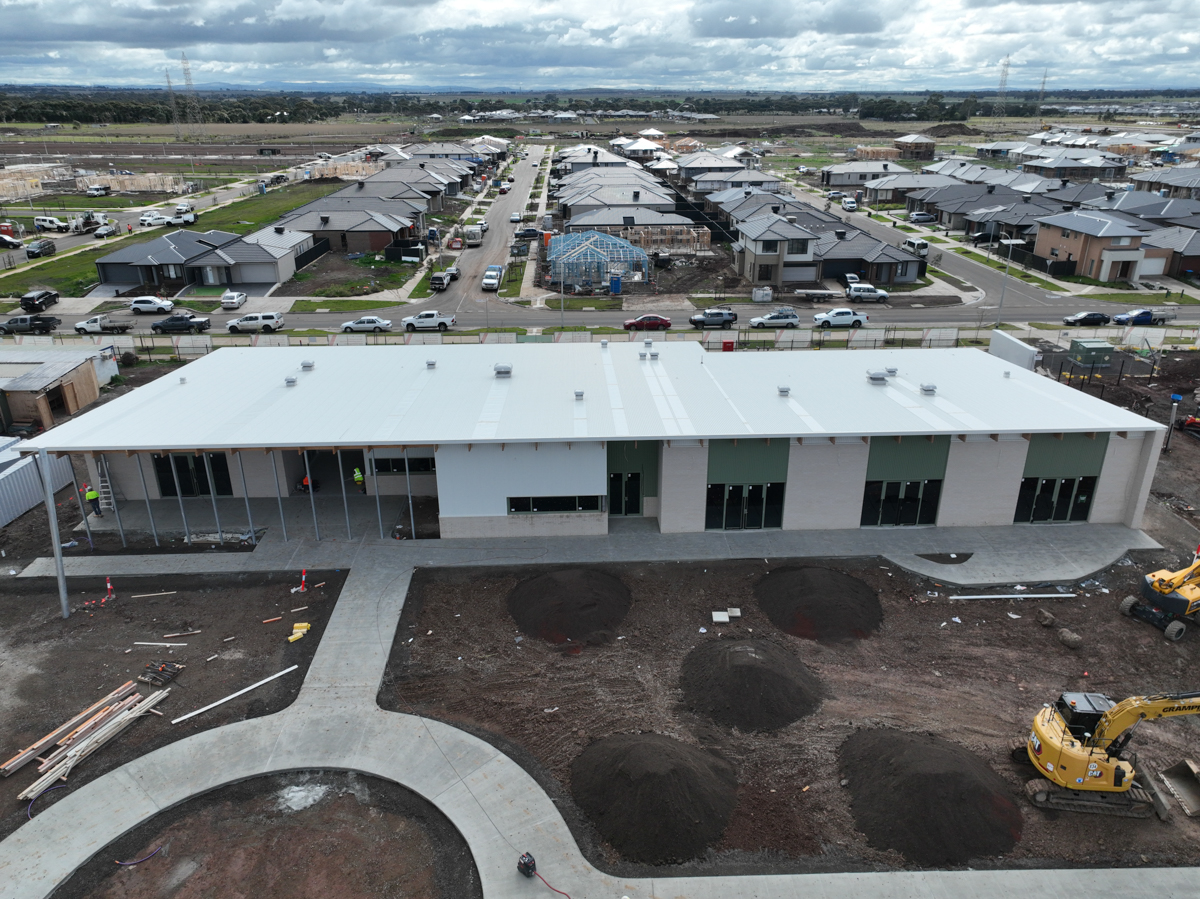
[[195, 118], [174, 109], [1042, 97], [1001, 92]]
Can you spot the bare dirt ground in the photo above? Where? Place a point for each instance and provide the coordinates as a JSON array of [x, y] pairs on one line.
[[966, 671], [51, 669], [303, 835]]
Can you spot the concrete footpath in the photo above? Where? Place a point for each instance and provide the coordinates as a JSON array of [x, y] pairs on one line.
[[500, 810]]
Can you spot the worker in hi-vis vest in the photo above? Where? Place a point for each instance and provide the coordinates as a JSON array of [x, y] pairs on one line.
[[358, 480], [93, 499]]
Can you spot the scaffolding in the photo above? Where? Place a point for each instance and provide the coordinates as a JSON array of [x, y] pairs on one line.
[[591, 257]]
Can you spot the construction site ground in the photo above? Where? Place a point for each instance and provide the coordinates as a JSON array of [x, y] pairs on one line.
[[971, 672], [51, 669]]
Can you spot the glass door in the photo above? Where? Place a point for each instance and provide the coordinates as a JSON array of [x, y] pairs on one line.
[[743, 507], [625, 493]]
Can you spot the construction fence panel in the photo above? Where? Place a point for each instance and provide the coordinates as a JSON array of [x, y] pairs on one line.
[[793, 340], [21, 488], [418, 339], [498, 337], [572, 336], [270, 340], [1143, 338], [192, 345], [940, 337], [347, 339]]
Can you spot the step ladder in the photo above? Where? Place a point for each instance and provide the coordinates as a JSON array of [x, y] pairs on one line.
[[104, 488]]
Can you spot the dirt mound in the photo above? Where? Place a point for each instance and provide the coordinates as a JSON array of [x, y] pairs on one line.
[[576, 604], [654, 799], [819, 604], [930, 800], [748, 684], [952, 129]]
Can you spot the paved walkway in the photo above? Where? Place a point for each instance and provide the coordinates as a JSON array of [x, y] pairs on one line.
[[500, 810]]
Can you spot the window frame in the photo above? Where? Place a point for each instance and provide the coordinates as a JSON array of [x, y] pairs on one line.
[[528, 505]]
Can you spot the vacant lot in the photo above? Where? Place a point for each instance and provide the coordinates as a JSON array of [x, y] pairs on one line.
[[257, 211]]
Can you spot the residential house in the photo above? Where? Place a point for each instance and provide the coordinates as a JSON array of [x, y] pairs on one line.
[[1068, 194], [351, 230], [1182, 257], [915, 146], [773, 250], [158, 265], [1060, 166], [441, 150], [642, 150], [856, 174], [894, 188], [1008, 220], [1101, 246], [257, 262], [712, 182], [1178, 182], [704, 162], [585, 156], [850, 251], [600, 196], [1147, 206], [645, 228]]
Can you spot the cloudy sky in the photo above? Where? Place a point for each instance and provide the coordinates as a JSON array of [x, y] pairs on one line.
[[770, 45]]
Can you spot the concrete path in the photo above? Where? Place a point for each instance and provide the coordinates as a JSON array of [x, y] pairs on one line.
[[500, 810]]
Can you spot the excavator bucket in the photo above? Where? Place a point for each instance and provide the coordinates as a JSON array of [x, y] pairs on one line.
[[1183, 780]]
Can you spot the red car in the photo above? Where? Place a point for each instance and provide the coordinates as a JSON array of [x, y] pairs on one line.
[[648, 323]]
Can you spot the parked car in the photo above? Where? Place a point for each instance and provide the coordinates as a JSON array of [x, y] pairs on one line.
[[802, 169], [10, 243], [503, 189], [102, 324], [182, 323], [40, 247], [428, 320], [648, 322], [1144, 317], [921, 218], [440, 280], [483, 226], [138, 305], [526, 234], [256, 321], [783, 317], [30, 324], [453, 272], [512, 178], [368, 323], [152, 219], [713, 318], [847, 279], [840, 318], [916, 246], [39, 300], [1087, 318], [232, 299], [834, 195], [860, 292], [849, 205], [515, 217], [492, 277], [105, 231]]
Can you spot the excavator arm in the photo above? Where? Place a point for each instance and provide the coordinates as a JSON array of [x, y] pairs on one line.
[[1116, 726]]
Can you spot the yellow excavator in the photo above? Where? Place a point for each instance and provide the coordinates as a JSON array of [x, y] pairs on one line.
[[1079, 746], [1169, 598]]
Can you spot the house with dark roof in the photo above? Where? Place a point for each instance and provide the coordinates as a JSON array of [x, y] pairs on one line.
[[401, 210], [257, 262], [856, 174], [773, 250], [1183, 258], [355, 230], [1101, 245], [850, 251], [712, 182], [894, 188], [158, 265]]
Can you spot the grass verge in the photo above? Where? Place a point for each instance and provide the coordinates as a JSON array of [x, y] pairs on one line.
[[341, 305], [71, 276], [1018, 273], [513, 279], [422, 290], [576, 304]]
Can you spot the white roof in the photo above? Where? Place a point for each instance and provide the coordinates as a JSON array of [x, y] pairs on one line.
[[387, 396]]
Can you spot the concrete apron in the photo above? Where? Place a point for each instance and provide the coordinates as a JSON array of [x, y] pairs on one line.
[[500, 810]]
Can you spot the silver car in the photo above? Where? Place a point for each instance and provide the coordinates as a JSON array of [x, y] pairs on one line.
[[138, 305], [368, 323], [256, 321]]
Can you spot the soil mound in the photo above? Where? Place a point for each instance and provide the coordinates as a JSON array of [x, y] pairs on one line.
[[748, 684], [654, 799], [819, 604], [930, 800], [952, 129], [577, 604]]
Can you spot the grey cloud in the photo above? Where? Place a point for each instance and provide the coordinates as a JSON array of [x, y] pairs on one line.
[[753, 19]]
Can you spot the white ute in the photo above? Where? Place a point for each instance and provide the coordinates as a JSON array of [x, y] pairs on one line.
[[429, 320]]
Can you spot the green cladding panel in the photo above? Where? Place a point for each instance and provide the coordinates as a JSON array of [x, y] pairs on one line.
[[908, 458], [748, 461], [1065, 455], [628, 456]]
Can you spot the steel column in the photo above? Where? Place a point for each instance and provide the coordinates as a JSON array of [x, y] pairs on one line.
[[43, 468], [279, 496], [412, 518], [212, 495], [375, 476], [246, 496], [345, 502], [187, 535], [312, 494], [116, 511], [146, 494], [79, 499]]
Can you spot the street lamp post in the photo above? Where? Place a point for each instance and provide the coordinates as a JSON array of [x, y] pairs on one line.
[[1004, 283]]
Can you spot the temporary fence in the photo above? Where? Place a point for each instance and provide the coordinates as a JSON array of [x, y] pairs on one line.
[[145, 183]]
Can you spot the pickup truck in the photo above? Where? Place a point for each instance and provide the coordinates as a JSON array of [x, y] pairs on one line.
[[429, 320], [183, 323], [1144, 317], [840, 318], [102, 324], [30, 324]]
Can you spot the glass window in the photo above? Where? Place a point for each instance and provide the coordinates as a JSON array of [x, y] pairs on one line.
[[1066, 233], [552, 504], [1122, 241], [797, 247], [773, 511], [766, 272], [872, 497], [421, 465], [520, 504], [770, 246]]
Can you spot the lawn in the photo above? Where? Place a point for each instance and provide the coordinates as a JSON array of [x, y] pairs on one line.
[[1136, 299], [422, 290], [576, 304], [999, 265], [71, 276], [341, 305], [933, 239], [513, 278], [905, 288], [259, 210]]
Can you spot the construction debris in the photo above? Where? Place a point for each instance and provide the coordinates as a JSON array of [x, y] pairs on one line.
[[1069, 638], [213, 705], [26, 754], [90, 736], [160, 644], [299, 630], [1045, 619], [184, 634], [269, 620], [159, 674], [144, 595]]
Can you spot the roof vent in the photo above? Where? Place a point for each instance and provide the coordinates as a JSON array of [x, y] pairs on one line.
[[578, 394], [929, 389], [324, 220], [637, 195], [289, 381], [502, 370], [279, 229], [747, 192], [182, 379], [1027, 198], [1066, 207], [891, 370], [877, 377], [1109, 194], [653, 355], [885, 167], [307, 365], [791, 219], [604, 344], [784, 390], [991, 188], [361, 184], [840, 235], [775, 210], [642, 355], [1008, 374], [648, 342], [431, 363]]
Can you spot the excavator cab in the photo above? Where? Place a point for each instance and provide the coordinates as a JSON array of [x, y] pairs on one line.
[[1081, 712]]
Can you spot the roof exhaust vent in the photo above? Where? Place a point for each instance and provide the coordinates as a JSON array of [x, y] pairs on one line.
[[1008, 374], [784, 390], [791, 219], [279, 229], [642, 355], [604, 344], [747, 192], [324, 220], [877, 377], [647, 342], [361, 185], [653, 355], [929, 389], [431, 363], [307, 365], [289, 381], [502, 370], [891, 370], [182, 379], [840, 235], [1027, 198], [578, 394]]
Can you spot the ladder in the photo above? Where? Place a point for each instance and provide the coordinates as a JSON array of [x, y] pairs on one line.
[[104, 488]]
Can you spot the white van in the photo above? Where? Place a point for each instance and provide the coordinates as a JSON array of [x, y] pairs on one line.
[[50, 223], [916, 246], [97, 190]]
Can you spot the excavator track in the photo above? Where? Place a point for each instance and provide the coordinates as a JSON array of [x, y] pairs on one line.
[[1135, 803]]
